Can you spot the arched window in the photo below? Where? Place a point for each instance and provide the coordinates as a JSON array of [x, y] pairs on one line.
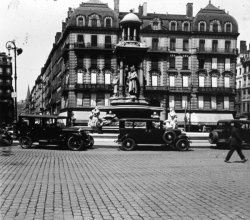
[[228, 27], [185, 26], [173, 26], [202, 26], [80, 21], [215, 27], [94, 21], [108, 22]]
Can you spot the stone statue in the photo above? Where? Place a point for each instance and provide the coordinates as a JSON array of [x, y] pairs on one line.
[[95, 121], [132, 81], [115, 83]]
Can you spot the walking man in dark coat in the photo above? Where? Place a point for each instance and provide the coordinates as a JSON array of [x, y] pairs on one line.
[[235, 143]]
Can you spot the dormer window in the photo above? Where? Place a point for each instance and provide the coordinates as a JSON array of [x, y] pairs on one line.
[[185, 26], [108, 22], [228, 27], [94, 21], [202, 26], [80, 21], [215, 26], [173, 26], [155, 24]]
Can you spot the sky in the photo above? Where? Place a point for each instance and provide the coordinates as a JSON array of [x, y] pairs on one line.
[[34, 23]]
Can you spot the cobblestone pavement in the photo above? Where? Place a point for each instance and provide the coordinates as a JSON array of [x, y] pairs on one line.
[[105, 183]]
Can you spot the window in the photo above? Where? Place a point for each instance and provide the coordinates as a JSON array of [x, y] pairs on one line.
[[185, 63], [172, 62], [201, 81], [107, 62], [171, 101], [184, 102], [93, 61], [185, 81], [100, 97], [226, 102], [215, 27], [155, 43], [107, 78], [154, 80], [214, 81], [93, 78], [173, 26], [214, 45], [172, 44], [228, 27], [94, 22], [80, 38], [227, 46], [200, 102], [213, 102], [107, 101], [202, 26], [79, 62], [202, 45], [171, 81], [93, 99], [201, 63], [80, 21], [154, 64], [94, 40], [107, 41], [185, 45], [80, 77], [155, 25], [8, 71], [108, 22], [79, 99], [186, 27], [227, 82], [1, 70], [227, 64], [214, 63]]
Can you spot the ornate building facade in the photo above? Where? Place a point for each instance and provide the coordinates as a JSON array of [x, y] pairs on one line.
[[190, 63]]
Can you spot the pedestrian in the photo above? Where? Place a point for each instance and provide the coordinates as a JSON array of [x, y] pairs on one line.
[[235, 142]]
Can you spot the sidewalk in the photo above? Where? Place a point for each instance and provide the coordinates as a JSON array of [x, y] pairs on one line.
[[198, 140]]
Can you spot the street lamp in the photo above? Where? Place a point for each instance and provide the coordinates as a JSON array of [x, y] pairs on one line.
[[10, 45]]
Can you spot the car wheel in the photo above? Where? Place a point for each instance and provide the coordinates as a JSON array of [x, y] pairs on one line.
[[90, 141], [25, 142], [213, 137], [182, 144], [75, 143], [169, 137], [128, 144]]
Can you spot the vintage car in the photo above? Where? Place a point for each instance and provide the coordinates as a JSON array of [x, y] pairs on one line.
[[134, 132], [51, 130], [220, 135]]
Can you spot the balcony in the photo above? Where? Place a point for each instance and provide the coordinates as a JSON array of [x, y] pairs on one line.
[[168, 89], [94, 87], [216, 51], [89, 46], [216, 90], [157, 49]]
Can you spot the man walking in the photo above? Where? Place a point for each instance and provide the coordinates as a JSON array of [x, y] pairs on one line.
[[235, 143]]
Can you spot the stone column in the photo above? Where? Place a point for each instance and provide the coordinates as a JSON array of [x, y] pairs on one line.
[[134, 37], [123, 33], [141, 81], [121, 80], [128, 38]]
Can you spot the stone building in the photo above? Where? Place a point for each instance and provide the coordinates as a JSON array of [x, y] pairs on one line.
[[190, 63], [6, 89], [243, 82]]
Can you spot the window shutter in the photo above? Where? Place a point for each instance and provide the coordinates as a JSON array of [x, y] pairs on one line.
[[214, 81], [79, 77], [172, 81], [154, 80], [185, 81], [201, 81]]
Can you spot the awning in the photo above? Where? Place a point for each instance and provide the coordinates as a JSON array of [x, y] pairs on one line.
[[204, 118]]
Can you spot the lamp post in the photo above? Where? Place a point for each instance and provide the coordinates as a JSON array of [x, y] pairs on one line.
[[10, 45]]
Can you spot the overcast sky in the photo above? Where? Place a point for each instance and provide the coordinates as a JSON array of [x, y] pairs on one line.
[[34, 23]]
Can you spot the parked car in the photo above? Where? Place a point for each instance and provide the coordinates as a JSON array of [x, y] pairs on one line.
[[56, 130], [135, 132], [220, 135]]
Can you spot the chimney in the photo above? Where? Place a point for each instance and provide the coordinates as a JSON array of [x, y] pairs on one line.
[[116, 7], [243, 46], [144, 13], [140, 9], [189, 10]]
